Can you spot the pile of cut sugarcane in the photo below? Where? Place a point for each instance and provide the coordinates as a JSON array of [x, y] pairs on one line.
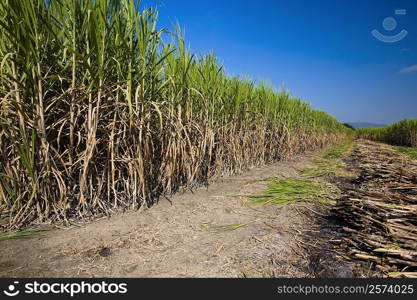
[[379, 210]]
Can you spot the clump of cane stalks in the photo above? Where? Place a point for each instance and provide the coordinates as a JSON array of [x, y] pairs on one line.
[[100, 111]]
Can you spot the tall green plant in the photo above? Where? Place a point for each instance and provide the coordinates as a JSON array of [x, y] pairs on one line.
[[402, 133], [101, 110]]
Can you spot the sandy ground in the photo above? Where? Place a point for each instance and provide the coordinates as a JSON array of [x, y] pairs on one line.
[[174, 239]]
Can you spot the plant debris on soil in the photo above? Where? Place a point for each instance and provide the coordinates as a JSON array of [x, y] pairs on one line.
[[21, 234], [224, 228], [379, 210], [330, 162], [285, 190]]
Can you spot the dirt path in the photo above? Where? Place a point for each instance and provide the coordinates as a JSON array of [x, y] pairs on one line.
[[209, 233], [179, 239]]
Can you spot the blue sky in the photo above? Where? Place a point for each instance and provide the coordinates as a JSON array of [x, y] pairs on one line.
[[321, 50]]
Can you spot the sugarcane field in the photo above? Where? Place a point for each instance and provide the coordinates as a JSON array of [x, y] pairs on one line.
[[133, 144]]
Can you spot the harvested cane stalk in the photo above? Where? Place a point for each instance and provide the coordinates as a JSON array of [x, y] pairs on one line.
[[380, 210]]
